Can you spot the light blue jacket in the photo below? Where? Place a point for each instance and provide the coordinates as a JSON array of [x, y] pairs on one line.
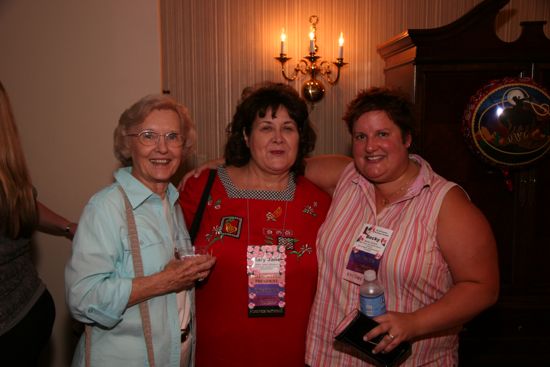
[[98, 276]]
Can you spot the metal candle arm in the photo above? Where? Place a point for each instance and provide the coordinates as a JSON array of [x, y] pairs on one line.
[[311, 67], [312, 90]]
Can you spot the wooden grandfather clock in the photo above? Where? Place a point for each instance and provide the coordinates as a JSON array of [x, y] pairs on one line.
[[443, 69]]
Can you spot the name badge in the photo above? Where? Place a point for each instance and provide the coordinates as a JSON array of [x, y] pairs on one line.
[[265, 267], [366, 252]]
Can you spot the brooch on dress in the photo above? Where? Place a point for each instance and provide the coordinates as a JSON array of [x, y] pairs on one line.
[[217, 204], [273, 216], [290, 245], [310, 209]]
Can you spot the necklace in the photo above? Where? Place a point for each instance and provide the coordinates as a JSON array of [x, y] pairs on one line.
[[385, 199]]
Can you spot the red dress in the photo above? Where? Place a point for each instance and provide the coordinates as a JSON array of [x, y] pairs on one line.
[[226, 335]]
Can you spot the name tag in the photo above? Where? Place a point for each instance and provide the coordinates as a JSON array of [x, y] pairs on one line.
[[266, 267], [366, 252]]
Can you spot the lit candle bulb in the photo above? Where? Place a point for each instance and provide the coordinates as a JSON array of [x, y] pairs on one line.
[[283, 40], [312, 42], [341, 46]]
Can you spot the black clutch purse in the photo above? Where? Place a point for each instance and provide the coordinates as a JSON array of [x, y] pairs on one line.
[[351, 331]]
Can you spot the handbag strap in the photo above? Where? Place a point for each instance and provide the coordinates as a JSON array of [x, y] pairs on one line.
[[202, 204], [88, 345], [138, 270]]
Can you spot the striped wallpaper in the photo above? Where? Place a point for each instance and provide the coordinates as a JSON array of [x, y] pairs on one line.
[[212, 49]]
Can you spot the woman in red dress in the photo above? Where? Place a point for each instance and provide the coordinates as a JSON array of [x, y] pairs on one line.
[[260, 222]]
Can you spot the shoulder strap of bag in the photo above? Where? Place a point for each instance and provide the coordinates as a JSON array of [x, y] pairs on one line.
[[202, 204], [138, 270], [88, 344]]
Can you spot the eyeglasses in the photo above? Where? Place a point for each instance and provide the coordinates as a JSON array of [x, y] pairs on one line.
[[150, 138]]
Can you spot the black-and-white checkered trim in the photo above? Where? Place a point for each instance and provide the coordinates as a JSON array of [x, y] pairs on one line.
[[235, 193]]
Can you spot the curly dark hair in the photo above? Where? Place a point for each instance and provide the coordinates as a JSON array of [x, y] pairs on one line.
[[393, 102], [254, 103]]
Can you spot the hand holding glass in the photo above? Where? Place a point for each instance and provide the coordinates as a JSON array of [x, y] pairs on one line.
[[182, 253]]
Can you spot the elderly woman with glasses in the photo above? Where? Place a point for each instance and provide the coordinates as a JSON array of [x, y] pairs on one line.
[[133, 317]]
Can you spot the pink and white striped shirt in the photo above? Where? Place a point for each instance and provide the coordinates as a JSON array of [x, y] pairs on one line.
[[412, 269]]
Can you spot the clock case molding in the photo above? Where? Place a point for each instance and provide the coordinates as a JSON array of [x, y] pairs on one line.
[[441, 68]]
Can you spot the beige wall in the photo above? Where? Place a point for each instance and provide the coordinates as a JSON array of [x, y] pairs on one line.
[[71, 67]]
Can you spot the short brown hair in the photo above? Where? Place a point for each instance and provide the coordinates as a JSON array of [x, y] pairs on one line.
[[393, 102], [139, 111]]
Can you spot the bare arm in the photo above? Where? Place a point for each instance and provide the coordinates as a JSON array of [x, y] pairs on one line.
[[176, 276], [53, 223], [325, 170], [469, 248]]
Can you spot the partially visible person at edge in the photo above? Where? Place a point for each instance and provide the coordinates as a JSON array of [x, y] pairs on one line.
[[102, 289], [439, 268], [27, 310], [259, 198]]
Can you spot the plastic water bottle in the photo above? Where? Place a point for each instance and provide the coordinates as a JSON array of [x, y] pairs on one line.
[[371, 295]]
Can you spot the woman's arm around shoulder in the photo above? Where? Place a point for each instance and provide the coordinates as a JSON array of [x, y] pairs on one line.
[[325, 170], [196, 172], [190, 194]]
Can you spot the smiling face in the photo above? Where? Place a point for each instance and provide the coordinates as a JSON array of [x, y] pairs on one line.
[[273, 142], [155, 165], [379, 150]]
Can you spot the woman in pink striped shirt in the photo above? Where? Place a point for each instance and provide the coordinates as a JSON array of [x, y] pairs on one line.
[[439, 264]]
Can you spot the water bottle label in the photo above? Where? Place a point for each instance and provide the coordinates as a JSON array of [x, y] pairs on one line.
[[373, 306]]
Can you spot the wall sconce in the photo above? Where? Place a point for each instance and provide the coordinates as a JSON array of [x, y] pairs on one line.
[[313, 90]]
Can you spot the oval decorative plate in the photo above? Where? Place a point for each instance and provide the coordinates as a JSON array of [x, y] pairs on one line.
[[507, 122]]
